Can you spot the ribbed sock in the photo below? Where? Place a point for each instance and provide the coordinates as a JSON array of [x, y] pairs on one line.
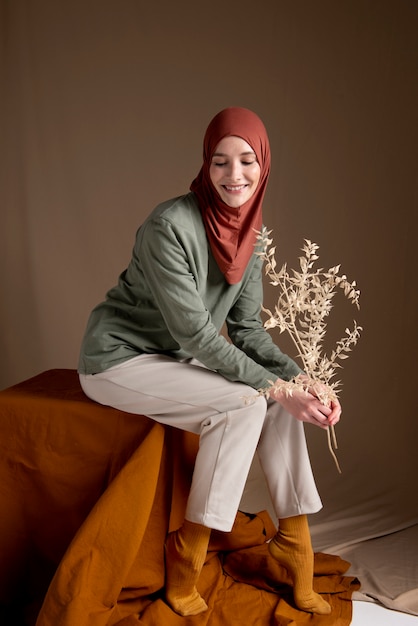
[[186, 551], [292, 548]]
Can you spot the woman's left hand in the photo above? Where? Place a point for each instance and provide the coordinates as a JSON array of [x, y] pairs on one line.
[[319, 390]]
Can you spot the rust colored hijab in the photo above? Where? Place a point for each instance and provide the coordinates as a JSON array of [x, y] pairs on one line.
[[231, 231]]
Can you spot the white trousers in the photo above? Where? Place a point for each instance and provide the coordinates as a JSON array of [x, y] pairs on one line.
[[233, 423]]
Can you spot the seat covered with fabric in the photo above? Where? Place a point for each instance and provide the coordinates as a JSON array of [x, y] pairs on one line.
[[87, 496]]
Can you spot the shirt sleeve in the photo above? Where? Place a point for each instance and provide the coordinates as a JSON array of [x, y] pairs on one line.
[[246, 330], [168, 269]]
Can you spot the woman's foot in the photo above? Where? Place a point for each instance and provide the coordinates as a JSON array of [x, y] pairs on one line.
[[292, 548], [186, 551]]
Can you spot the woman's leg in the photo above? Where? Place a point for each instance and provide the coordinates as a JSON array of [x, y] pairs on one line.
[[193, 398], [283, 455], [284, 458]]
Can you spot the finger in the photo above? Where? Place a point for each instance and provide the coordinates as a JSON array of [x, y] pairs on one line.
[[335, 416], [324, 410], [319, 417], [336, 405], [320, 424]]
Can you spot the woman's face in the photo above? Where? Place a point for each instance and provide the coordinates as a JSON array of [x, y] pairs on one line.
[[234, 171]]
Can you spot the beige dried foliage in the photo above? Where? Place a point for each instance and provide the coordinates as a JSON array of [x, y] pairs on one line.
[[302, 309]]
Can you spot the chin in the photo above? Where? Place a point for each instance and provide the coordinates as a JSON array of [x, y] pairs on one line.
[[236, 202]]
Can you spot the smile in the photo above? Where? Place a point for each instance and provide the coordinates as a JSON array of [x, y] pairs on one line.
[[236, 188]]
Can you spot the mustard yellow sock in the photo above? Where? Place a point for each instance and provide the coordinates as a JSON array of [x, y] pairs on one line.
[[292, 548], [186, 551]]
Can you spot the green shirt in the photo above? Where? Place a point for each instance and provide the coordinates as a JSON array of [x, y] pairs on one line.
[[173, 300]]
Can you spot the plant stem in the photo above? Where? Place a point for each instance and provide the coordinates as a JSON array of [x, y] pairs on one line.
[[334, 456]]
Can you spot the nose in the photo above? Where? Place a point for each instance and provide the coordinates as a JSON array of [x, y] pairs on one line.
[[235, 170]]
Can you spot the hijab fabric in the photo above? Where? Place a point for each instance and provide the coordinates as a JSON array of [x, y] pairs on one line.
[[231, 231]]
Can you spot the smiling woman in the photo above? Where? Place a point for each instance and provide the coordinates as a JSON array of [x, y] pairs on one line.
[[155, 348]]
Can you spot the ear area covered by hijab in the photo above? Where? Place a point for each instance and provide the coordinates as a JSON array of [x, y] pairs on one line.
[[231, 232]]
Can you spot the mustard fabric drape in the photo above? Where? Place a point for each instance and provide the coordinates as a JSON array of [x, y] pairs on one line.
[[87, 496]]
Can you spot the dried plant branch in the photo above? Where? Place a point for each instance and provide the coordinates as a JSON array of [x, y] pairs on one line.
[[303, 305]]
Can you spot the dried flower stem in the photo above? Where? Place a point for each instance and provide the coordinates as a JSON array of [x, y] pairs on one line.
[[302, 308]]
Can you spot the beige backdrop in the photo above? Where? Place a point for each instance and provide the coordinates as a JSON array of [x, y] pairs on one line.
[[103, 108]]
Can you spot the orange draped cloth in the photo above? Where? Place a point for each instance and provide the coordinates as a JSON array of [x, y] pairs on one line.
[[87, 496]]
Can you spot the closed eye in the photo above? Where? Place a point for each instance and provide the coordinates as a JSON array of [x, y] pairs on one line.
[[217, 164]]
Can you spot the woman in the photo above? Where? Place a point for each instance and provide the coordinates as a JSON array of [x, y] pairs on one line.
[[154, 348]]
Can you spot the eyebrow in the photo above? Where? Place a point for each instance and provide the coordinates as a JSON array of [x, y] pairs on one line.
[[222, 154]]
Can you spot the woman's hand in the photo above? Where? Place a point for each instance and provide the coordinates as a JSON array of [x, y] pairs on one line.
[[306, 407]]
